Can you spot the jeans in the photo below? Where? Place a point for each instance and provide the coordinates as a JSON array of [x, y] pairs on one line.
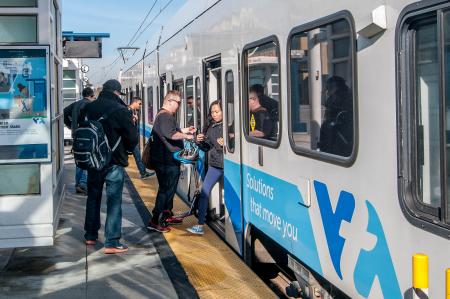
[[137, 157], [114, 178], [212, 177], [80, 178], [168, 180]]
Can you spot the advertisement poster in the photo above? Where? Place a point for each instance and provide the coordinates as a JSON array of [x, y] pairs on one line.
[[24, 105]]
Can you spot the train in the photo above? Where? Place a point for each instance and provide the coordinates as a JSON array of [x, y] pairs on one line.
[[352, 182]]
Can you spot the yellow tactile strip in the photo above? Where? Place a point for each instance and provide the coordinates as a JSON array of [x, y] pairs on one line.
[[212, 267]]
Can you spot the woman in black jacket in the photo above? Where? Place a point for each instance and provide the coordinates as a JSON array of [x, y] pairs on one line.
[[211, 142]]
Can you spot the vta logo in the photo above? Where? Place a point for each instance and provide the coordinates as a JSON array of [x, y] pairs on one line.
[[39, 120], [370, 264]]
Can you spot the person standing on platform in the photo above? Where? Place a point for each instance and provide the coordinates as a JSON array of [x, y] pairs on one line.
[[167, 139], [211, 142], [71, 120], [134, 107], [122, 134]]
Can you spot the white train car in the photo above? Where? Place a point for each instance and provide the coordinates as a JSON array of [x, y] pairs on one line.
[[353, 179]]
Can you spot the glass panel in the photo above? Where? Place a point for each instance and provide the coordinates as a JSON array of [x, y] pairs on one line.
[[263, 94], [198, 103], [178, 86], [321, 93], [150, 105], [190, 102], [69, 84], [69, 94], [18, 3], [447, 102], [229, 97], [20, 179], [427, 95], [69, 74], [341, 47], [18, 29]]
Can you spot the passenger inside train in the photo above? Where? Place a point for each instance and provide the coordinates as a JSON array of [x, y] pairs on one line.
[[336, 132], [262, 124]]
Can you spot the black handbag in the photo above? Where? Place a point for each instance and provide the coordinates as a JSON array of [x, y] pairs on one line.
[[146, 154]]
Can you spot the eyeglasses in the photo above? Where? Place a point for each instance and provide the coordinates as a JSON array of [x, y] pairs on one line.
[[178, 102]]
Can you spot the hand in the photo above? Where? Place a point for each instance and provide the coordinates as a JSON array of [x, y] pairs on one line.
[[190, 129], [200, 137], [220, 141], [189, 136]]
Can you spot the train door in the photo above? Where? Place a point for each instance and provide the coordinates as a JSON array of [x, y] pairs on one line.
[[232, 161], [212, 74]]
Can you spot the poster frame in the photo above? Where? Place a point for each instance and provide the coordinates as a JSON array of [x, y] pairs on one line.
[[49, 122]]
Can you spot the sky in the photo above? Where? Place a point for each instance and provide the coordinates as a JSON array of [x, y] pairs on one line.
[[121, 19]]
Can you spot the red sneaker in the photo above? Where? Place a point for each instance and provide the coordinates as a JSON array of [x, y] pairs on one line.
[[158, 228], [173, 220]]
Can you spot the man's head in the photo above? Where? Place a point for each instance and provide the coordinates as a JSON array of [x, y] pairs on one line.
[[190, 101], [88, 93], [113, 86], [172, 101], [253, 101], [136, 103]]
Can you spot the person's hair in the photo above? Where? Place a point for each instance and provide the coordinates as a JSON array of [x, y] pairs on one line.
[[171, 94], [258, 89], [135, 99], [87, 92], [209, 119], [216, 102]]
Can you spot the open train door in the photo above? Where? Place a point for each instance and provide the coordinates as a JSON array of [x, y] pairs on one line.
[[232, 157]]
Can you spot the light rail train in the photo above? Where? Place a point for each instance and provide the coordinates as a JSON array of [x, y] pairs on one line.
[[353, 180]]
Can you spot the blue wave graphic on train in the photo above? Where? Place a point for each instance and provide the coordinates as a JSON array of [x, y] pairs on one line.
[[277, 208]]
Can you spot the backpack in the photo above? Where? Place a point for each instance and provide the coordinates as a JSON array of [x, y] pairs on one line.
[[91, 149]]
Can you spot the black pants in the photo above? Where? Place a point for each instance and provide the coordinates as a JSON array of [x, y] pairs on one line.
[[168, 180]]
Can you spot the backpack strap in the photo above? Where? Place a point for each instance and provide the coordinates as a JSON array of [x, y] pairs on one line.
[[105, 116]]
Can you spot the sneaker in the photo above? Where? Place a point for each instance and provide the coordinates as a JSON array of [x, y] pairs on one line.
[[121, 248], [173, 220], [79, 189], [158, 228], [147, 175], [196, 229], [90, 242]]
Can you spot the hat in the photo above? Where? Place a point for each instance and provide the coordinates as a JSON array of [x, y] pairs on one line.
[[113, 85]]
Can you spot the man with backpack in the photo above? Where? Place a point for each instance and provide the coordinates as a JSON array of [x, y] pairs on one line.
[[71, 119], [122, 137]]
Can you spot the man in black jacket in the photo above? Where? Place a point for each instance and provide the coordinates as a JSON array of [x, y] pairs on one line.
[[119, 129], [71, 120]]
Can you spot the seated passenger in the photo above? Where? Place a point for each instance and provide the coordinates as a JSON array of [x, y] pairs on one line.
[[336, 132], [260, 124], [211, 142]]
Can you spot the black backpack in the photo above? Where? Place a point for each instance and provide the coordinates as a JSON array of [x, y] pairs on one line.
[[91, 149]]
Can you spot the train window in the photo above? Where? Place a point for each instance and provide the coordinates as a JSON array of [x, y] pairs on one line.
[[198, 103], [189, 111], [150, 105], [178, 85], [425, 110], [262, 99], [322, 97], [229, 98]]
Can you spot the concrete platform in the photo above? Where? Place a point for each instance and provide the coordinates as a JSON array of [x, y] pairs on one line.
[[69, 269]]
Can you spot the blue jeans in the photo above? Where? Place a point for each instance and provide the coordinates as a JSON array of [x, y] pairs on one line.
[[137, 157], [212, 177], [113, 176], [80, 178], [168, 180]]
